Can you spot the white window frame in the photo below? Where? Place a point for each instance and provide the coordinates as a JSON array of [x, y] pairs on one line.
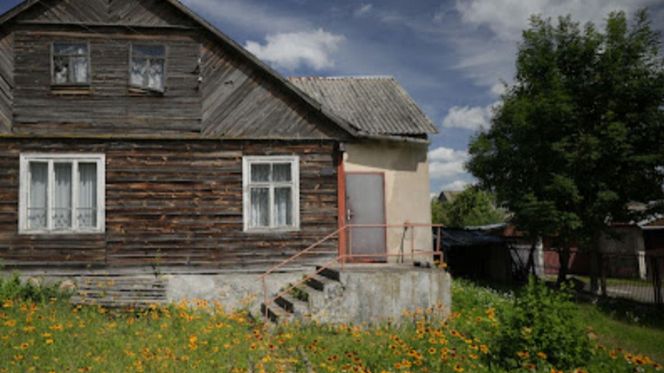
[[50, 159], [294, 161]]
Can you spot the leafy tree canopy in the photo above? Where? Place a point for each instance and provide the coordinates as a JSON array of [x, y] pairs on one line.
[[472, 207], [581, 131]]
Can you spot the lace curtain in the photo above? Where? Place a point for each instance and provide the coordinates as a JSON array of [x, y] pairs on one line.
[[147, 66], [61, 213], [70, 63], [272, 177], [38, 198], [87, 195]]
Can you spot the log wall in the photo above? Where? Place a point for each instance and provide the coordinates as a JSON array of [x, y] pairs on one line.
[[213, 90], [6, 80], [106, 106], [172, 203]]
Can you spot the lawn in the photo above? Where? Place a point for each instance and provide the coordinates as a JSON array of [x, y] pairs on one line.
[[52, 336], [618, 332]]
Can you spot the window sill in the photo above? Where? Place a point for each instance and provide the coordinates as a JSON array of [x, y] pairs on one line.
[[60, 233], [140, 92], [268, 231], [71, 89]]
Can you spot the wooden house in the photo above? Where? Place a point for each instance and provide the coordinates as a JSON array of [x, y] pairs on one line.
[[133, 133]]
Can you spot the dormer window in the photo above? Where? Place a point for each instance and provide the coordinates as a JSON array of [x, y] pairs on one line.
[[148, 67], [71, 63]]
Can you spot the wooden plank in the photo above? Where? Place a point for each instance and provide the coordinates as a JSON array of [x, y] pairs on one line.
[[173, 203], [6, 80]]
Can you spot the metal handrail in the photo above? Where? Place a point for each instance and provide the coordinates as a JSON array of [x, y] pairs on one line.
[[341, 259]]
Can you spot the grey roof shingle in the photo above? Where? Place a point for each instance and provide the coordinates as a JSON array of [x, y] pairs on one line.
[[377, 105]]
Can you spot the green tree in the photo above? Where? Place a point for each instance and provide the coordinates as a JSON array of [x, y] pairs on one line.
[[581, 131], [438, 212], [472, 207]]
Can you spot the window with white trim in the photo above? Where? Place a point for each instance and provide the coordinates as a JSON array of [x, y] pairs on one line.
[[62, 193], [271, 186]]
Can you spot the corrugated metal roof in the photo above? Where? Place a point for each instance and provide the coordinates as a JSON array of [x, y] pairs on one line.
[[464, 238], [375, 104]]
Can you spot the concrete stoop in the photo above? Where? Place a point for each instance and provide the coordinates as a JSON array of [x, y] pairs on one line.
[[363, 294], [307, 300]]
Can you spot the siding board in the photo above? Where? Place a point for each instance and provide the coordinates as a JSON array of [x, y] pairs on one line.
[[108, 107], [6, 79], [173, 203]]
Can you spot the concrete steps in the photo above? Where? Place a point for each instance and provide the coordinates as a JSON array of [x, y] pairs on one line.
[[314, 292], [119, 291]]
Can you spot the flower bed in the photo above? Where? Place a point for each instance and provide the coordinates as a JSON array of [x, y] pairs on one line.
[[54, 336]]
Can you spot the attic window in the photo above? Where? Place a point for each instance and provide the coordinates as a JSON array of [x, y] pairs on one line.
[[71, 64], [148, 67]]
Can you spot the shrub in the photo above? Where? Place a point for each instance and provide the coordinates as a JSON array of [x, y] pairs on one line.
[[542, 328], [13, 288]]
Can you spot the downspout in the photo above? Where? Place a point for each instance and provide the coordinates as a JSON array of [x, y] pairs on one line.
[[341, 200]]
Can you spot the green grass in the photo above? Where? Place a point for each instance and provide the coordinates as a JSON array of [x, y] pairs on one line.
[[636, 282], [616, 332], [46, 335]]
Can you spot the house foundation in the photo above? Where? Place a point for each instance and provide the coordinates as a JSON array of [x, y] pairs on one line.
[[357, 294]]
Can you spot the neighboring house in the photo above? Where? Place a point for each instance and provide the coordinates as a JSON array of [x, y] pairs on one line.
[[653, 235], [133, 133], [447, 196]]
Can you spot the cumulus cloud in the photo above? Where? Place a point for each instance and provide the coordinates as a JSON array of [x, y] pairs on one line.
[[362, 10], [492, 29], [292, 50], [507, 18], [466, 117], [446, 162], [498, 89], [447, 154]]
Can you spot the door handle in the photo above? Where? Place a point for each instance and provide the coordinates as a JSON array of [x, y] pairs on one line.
[[349, 215]]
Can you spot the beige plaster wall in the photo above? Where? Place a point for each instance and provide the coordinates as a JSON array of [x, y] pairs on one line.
[[406, 171]]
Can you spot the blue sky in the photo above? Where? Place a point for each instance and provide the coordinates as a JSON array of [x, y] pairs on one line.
[[451, 56]]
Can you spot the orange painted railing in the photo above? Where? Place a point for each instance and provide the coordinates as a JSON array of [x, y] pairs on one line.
[[349, 257]]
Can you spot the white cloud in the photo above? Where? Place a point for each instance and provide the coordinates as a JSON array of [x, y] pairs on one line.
[[456, 185], [362, 10], [292, 50], [446, 162], [492, 29], [498, 89], [447, 154], [507, 18], [470, 118], [439, 170]]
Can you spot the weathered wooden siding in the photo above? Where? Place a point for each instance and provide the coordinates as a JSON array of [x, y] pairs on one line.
[[238, 103], [6, 79], [107, 107], [172, 203], [213, 89], [129, 12]]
